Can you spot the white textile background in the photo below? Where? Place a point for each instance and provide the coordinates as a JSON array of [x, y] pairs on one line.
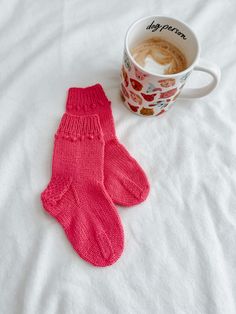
[[180, 247]]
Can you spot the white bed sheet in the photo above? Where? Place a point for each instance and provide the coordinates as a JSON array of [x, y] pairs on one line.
[[180, 255]]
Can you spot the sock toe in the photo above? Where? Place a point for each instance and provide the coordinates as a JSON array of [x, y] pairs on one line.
[[124, 191], [124, 179]]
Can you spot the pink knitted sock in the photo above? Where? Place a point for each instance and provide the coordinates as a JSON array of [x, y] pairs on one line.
[[124, 179], [76, 196]]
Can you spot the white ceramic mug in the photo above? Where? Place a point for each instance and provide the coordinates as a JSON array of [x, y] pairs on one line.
[[150, 94]]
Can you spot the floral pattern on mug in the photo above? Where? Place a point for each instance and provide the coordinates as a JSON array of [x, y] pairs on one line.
[[168, 93], [136, 98], [159, 104], [126, 61], [167, 82], [125, 76], [147, 111], [133, 108], [136, 85], [148, 97], [140, 75], [152, 88], [145, 97], [124, 91]]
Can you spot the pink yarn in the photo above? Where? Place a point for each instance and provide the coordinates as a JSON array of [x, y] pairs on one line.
[[76, 195], [124, 179]]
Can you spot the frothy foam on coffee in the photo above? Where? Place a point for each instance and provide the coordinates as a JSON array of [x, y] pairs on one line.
[[159, 56]]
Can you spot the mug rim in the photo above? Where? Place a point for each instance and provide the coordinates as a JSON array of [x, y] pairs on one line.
[[189, 68]]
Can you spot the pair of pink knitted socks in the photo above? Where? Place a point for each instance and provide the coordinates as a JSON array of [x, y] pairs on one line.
[[91, 171]]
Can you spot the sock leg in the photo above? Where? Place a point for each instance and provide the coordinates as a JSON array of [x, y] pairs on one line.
[[124, 179]]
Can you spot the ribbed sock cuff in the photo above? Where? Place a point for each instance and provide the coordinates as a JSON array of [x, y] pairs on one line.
[[77, 127], [81, 100]]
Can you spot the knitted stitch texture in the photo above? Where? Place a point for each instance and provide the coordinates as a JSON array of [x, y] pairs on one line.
[[76, 195], [124, 179]]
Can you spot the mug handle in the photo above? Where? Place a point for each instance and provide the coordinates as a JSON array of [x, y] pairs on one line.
[[210, 68]]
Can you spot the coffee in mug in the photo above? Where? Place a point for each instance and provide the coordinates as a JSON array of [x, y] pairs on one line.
[[157, 55]]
